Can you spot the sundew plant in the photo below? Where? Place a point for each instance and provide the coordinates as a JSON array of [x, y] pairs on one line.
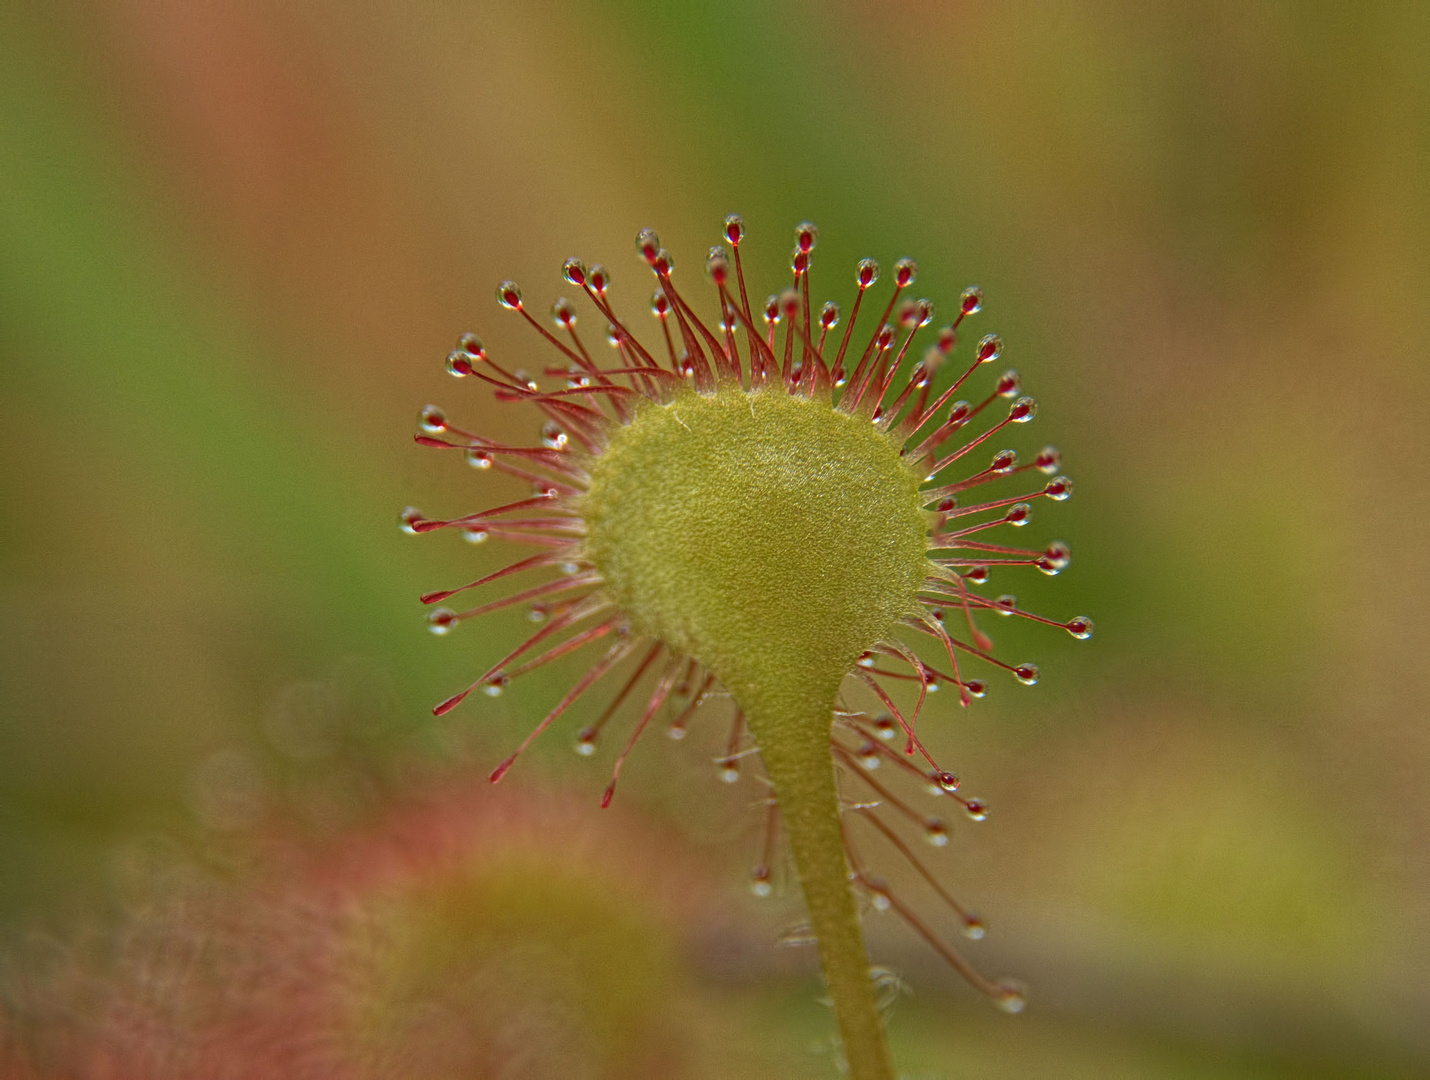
[[769, 508]]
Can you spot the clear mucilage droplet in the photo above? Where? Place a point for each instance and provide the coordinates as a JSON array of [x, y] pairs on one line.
[[936, 832], [1012, 996], [1059, 488], [989, 349], [760, 883], [563, 313], [431, 419], [976, 810], [971, 302], [408, 519], [789, 304], [509, 295], [717, 265], [441, 620], [552, 436], [796, 935], [734, 229]]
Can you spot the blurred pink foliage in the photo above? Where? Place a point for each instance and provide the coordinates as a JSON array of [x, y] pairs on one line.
[[468, 933]]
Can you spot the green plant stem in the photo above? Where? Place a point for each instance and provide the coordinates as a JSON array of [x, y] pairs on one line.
[[793, 736]]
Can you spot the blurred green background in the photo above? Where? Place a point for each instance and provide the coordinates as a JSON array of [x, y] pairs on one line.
[[237, 240]]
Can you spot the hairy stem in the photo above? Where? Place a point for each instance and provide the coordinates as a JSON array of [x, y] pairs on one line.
[[793, 738]]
